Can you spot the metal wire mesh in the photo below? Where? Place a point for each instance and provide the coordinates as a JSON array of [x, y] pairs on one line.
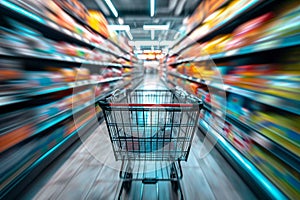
[[151, 124]]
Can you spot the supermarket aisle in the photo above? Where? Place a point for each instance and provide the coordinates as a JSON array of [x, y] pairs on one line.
[[91, 172], [151, 81]]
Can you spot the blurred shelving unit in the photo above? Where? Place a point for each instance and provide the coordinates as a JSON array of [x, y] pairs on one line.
[[53, 30], [265, 153], [37, 122], [251, 49]]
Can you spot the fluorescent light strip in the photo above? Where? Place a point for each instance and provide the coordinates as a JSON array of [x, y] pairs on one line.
[[129, 35], [146, 43], [112, 8], [101, 5], [152, 7], [152, 34], [121, 21], [119, 27], [156, 27], [138, 51], [150, 43], [166, 43], [151, 51]]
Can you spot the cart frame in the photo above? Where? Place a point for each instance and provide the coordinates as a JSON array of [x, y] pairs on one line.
[[151, 125]]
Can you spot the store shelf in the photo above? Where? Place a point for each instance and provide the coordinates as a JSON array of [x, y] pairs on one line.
[[55, 88], [130, 74], [12, 99], [91, 28], [276, 149], [48, 27], [253, 131], [59, 117], [274, 101], [128, 66], [195, 27], [280, 152], [238, 13], [189, 78], [35, 165], [268, 187], [255, 48], [61, 58], [30, 165]]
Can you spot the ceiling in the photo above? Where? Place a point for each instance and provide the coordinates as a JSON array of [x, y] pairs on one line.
[[136, 13]]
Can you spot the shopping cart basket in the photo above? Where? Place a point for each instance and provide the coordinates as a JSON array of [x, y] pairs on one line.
[[151, 125]]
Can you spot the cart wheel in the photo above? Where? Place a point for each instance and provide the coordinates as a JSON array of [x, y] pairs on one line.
[[128, 181], [126, 185], [173, 176], [174, 186], [173, 173]]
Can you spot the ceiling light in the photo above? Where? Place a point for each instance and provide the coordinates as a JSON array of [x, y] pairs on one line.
[[102, 7], [166, 43], [142, 56], [151, 51], [179, 7], [119, 27], [185, 20], [156, 27], [121, 21], [129, 35], [152, 34], [152, 7], [112, 8], [138, 51], [146, 43]]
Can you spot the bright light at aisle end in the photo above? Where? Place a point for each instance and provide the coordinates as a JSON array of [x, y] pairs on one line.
[[152, 7], [121, 21], [156, 27], [119, 27], [112, 7]]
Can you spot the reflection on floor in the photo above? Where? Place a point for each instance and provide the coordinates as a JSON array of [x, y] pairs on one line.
[[91, 172]]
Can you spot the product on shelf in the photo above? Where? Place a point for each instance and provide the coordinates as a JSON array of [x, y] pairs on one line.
[[74, 7], [10, 70], [235, 104], [248, 32], [215, 19], [43, 79], [267, 27], [282, 129], [217, 44], [82, 73], [203, 10], [267, 78], [98, 22], [285, 23], [26, 41], [60, 17], [69, 75], [280, 173]]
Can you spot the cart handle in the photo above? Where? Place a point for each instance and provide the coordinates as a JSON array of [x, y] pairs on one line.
[[150, 105]]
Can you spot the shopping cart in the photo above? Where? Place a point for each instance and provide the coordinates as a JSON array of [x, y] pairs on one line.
[[151, 129]]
